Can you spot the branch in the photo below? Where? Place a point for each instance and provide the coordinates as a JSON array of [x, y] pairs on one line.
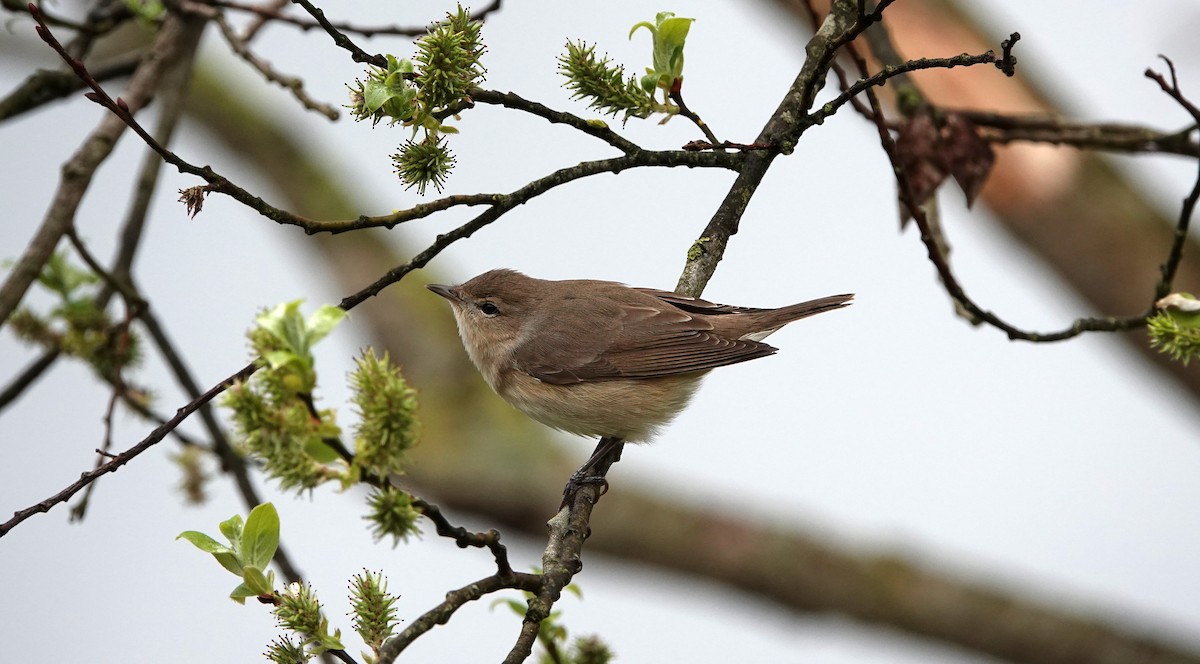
[[635, 157], [45, 86], [465, 538], [808, 575], [292, 84], [1000, 128], [1171, 267], [340, 39], [599, 130], [562, 558], [98, 23], [366, 31], [133, 305], [512, 200], [817, 117], [125, 457], [455, 599], [347, 303], [176, 37], [781, 131], [941, 262], [27, 377], [843, 82], [676, 96]]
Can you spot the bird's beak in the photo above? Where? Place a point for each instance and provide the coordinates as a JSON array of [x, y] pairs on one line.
[[447, 292]]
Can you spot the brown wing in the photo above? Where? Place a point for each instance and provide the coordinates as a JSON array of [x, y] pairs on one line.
[[694, 304], [646, 340]]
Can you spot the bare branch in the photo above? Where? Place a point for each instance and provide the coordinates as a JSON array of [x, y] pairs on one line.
[[465, 538], [781, 132], [941, 262], [340, 38], [268, 14], [175, 38], [882, 77], [455, 599], [128, 455], [239, 46]]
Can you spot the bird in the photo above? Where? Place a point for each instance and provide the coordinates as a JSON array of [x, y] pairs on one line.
[[602, 359]]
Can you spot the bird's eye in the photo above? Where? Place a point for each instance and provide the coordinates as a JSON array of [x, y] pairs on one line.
[[489, 309]]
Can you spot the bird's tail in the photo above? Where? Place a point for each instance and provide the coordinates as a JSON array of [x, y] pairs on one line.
[[769, 320]]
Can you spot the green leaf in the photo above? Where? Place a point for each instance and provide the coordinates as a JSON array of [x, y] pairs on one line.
[[255, 581], [224, 555], [276, 320], [240, 593], [516, 606], [332, 642], [260, 537], [399, 65], [644, 24], [294, 333], [649, 82], [203, 542], [63, 278], [323, 320], [280, 358], [285, 324], [669, 33], [402, 104], [375, 95], [672, 33], [320, 451], [229, 561], [231, 528]]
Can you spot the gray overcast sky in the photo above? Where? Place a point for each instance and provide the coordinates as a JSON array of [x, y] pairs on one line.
[[1067, 471]]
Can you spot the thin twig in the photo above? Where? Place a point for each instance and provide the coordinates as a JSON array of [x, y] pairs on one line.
[[175, 37], [128, 455], [781, 131], [461, 536], [170, 98], [95, 24], [677, 97], [1042, 128], [264, 14], [45, 85], [290, 83], [272, 14], [133, 305], [455, 599], [1175, 256], [950, 282], [465, 538], [599, 130], [635, 157], [28, 377], [1007, 62], [79, 510], [340, 39], [878, 79]]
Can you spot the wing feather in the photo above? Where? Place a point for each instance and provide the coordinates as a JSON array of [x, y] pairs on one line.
[[646, 340]]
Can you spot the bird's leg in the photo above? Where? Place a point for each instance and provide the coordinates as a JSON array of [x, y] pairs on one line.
[[607, 452]]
